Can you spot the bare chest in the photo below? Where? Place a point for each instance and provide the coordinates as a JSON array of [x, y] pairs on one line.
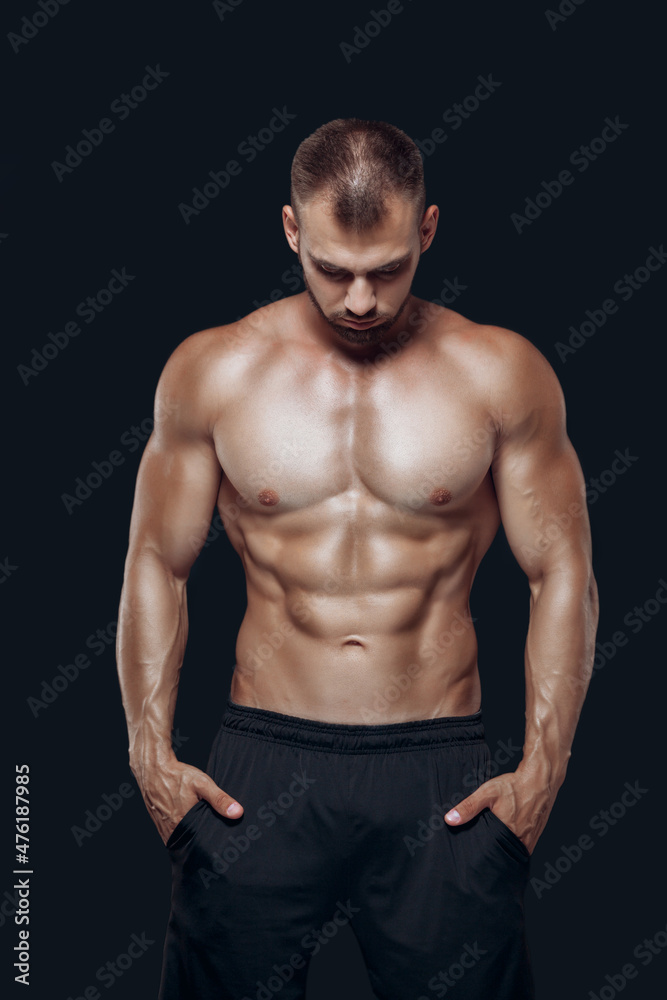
[[416, 440]]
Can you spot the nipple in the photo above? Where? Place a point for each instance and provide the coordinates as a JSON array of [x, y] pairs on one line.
[[440, 497], [268, 497]]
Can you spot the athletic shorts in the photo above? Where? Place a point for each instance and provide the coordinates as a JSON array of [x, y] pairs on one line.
[[343, 824]]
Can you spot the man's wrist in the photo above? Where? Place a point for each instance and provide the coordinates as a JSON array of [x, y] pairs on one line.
[[543, 770], [145, 753]]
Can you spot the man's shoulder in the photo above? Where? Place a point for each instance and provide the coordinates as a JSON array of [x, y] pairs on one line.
[[496, 343], [506, 373], [494, 354], [205, 371], [230, 346], [218, 365]]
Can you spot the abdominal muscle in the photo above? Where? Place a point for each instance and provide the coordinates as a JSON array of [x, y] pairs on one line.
[[359, 626]]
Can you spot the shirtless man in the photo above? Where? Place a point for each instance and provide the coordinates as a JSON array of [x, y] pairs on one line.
[[362, 447]]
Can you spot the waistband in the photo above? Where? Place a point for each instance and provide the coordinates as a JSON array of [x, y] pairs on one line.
[[334, 737]]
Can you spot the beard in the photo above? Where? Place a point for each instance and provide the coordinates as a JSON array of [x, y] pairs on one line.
[[373, 335]]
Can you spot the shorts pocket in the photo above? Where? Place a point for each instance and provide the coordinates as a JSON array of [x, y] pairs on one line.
[[185, 827], [506, 838]]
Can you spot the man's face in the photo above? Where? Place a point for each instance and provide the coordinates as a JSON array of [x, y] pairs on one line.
[[359, 282]]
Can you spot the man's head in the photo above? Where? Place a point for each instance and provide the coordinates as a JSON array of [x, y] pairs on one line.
[[358, 224]]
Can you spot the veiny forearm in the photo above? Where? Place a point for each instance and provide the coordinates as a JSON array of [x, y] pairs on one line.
[[151, 643], [559, 660], [152, 634]]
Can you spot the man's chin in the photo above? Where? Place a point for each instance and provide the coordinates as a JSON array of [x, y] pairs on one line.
[[362, 338], [372, 335]]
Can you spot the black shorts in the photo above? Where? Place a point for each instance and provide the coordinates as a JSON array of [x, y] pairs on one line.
[[344, 824]]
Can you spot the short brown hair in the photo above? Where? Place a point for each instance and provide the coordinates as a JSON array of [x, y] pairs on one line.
[[356, 164]]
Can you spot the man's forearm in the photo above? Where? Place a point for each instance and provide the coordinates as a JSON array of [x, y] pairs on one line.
[[559, 660], [151, 641]]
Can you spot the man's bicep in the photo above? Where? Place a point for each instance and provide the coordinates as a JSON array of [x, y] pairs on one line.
[[543, 507], [175, 497], [541, 492], [179, 476]]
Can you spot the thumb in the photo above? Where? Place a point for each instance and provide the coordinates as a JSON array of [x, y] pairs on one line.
[[221, 801], [468, 808]]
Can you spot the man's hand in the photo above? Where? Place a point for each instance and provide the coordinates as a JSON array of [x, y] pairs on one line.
[[517, 799], [169, 791]]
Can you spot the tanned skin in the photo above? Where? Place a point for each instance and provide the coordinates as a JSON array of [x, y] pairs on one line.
[[361, 476]]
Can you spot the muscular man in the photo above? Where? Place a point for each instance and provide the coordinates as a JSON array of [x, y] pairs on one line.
[[362, 447]]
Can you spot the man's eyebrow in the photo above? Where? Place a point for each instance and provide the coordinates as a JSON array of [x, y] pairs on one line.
[[380, 267]]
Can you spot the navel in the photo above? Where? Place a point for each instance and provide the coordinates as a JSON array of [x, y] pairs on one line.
[[440, 497], [268, 497]]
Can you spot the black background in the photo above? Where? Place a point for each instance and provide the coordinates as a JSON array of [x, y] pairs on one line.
[[119, 208]]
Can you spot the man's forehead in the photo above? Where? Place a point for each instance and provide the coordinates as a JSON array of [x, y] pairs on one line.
[[326, 238], [318, 213]]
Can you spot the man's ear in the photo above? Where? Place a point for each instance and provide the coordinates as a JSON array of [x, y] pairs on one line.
[[428, 226], [291, 227]]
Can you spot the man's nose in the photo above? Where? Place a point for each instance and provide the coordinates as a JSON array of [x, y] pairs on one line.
[[360, 297]]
